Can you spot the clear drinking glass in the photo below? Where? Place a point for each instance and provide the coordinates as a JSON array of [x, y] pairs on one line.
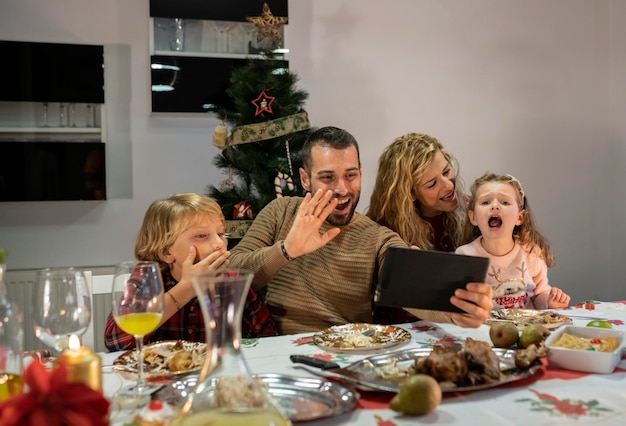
[[45, 123], [71, 115], [61, 306], [62, 116], [225, 373], [138, 303], [90, 116]]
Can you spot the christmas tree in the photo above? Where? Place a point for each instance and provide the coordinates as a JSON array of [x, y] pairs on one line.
[[261, 155]]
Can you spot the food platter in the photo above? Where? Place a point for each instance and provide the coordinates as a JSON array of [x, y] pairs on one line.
[[360, 337], [169, 358], [523, 317], [366, 374], [301, 399]]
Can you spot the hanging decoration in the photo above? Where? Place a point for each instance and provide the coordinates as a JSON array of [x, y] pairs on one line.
[[229, 183], [282, 177], [288, 156], [243, 210], [220, 135], [267, 24], [263, 103]]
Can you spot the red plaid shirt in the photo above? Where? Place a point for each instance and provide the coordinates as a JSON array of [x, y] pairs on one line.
[[188, 324]]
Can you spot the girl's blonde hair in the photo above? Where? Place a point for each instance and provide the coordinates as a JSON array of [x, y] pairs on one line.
[[166, 219], [400, 169], [527, 233]]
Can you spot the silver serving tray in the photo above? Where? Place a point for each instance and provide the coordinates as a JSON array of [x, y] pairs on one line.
[[301, 399], [364, 372]]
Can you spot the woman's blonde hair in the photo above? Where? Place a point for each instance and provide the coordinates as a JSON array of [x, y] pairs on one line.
[[400, 169], [166, 219], [527, 233]]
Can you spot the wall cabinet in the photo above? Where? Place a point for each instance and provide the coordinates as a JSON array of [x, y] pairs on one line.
[[195, 45]]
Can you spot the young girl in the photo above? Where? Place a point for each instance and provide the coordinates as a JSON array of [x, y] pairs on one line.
[[184, 233], [500, 226]]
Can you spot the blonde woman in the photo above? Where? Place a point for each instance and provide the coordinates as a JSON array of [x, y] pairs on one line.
[[418, 193]]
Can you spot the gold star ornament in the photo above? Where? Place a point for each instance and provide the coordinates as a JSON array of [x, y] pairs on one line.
[[267, 24]]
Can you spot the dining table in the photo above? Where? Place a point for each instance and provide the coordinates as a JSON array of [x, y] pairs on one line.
[[549, 396]]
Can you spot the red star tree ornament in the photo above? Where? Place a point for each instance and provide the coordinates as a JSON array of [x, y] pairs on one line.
[[263, 103], [267, 24]]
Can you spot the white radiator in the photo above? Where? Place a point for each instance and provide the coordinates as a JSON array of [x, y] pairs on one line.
[[19, 285]]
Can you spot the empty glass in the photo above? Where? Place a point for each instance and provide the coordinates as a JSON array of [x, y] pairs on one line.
[[61, 306]]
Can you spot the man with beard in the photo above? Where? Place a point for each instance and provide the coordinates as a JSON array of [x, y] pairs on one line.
[[317, 260]]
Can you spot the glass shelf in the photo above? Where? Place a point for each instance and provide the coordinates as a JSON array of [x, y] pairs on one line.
[[50, 129], [211, 39]]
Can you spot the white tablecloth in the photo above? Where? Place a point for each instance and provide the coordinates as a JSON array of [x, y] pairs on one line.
[[552, 396]]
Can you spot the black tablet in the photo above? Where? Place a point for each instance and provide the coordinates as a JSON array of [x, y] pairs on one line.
[[426, 279]]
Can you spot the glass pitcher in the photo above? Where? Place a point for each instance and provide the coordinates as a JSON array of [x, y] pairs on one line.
[[226, 393]]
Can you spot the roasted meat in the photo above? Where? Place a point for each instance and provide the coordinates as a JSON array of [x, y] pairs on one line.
[[481, 359], [444, 364]]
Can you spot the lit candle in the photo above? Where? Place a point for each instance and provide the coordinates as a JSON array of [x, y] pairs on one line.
[[83, 365]]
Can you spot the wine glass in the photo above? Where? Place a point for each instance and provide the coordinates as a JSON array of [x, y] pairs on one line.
[[138, 304], [61, 306]]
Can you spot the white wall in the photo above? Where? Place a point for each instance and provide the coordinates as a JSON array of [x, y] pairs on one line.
[[529, 87]]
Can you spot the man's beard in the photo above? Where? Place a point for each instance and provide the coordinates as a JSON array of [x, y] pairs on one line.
[[340, 220]]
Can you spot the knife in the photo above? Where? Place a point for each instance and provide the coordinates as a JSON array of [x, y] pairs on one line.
[[331, 369], [314, 362]]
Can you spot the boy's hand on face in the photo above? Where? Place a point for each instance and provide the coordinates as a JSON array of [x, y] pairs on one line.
[[213, 261], [304, 235]]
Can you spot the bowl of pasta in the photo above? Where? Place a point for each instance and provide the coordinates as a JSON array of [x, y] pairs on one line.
[[589, 349]]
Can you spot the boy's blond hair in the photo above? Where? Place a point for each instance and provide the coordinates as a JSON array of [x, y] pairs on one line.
[[166, 219]]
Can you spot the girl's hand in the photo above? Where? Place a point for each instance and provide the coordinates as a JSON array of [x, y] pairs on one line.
[[476, 300], [558, 299], [304, 235]]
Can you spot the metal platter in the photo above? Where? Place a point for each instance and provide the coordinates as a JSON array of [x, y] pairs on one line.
[[301, 399], [360, 337], [523, 317], [364, 373], [126, 363]]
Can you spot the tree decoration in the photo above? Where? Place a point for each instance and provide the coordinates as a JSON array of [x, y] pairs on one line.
[[220, 136], [268, 24], [282, 177], [243, 210], [263, 103], [229, 183], [257, 132]]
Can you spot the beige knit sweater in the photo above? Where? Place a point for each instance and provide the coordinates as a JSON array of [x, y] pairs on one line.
[[332, 285]]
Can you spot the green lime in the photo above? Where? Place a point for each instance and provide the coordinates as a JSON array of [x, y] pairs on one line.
[[599, 323]]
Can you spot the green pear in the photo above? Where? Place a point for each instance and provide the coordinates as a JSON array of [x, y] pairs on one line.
[[503, 334], [532, 334], [418, 394]]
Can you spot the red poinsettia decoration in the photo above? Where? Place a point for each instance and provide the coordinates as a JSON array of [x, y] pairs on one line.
[[53, 401]]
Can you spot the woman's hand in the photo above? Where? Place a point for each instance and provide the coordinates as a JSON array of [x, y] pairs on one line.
[[476, 300], [304, 235]]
